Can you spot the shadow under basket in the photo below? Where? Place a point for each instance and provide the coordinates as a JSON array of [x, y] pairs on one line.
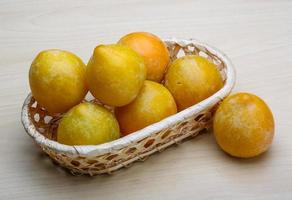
[[108, 157]]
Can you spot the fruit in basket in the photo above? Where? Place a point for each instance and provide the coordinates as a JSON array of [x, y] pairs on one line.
[[87, 124], [115, 74], [244, 125], [153, 104], [153, 50], [191, 79], [57, 80]]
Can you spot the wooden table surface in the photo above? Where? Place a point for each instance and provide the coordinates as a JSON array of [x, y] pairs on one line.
[[256, 35]]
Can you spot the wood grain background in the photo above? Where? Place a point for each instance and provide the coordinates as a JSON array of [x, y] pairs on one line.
[[256, 35]]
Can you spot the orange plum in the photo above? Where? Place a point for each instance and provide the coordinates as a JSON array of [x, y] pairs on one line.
[[191, 79], [153, 104], [152, 49], [244, 125]]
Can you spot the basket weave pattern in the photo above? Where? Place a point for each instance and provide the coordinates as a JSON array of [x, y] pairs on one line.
[[109, 157]]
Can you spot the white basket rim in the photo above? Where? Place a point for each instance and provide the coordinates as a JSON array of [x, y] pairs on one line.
[[118, 144]]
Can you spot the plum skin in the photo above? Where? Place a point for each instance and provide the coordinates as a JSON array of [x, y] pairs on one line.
[[244, 125], [115, 74], [191, 79], [57, 80], [87, 124], [152, 49], [153, 104]]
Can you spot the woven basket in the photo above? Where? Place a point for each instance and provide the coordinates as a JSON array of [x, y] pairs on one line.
[[108, 157]]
